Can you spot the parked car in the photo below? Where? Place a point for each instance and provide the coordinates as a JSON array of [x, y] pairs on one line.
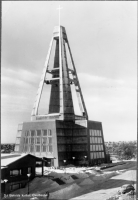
[[126, 188]]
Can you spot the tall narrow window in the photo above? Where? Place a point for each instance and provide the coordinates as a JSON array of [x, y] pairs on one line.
[[25, 148], [27, 133], [97, 154], [32, 133], [32, 148], [102, 147], [91, 155], [37, 148], [49, 132], [93, 147], [92, 132], [50, 140], [44, 148], [100, 133], [37, 140], [32, 140], [102, 154], [44, 132], [94, 155], [50, 148], [26, 141], [96, 147], [44, 140], [38, 132]]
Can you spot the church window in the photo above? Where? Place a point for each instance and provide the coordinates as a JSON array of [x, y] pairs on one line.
[[44, 132], [32, 148], [50, 140], [50, 148], [49, 132], [44, 140], [32, 133], [32, 140], [37, 148], [38, 132], [37, 140], [102, 154], [91, 155], [43, 148]]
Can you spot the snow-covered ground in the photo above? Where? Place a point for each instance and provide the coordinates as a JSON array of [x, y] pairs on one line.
[[81, 182]]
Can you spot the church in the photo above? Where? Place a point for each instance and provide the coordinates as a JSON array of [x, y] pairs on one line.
[[61, 137]]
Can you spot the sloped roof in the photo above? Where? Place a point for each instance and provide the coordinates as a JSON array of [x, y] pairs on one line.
[[7, 161]]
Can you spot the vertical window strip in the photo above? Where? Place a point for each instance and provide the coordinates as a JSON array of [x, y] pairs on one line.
[[102, 154], [97, 132], [92, 132], [96, 154], [100, 133], [91, 155]]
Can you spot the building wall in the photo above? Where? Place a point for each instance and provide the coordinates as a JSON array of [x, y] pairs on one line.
[[81, 139], [97, 152], [38, 138], [71, 141]]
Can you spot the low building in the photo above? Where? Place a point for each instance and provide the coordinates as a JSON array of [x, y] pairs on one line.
[[14, 170]]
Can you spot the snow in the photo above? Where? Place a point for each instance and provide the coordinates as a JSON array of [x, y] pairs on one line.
[[89, 179]]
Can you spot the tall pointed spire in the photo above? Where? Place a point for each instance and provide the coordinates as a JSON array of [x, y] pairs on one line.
[[61, 102]]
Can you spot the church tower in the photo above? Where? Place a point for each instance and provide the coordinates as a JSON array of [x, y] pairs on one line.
[[61, 102], [60, 136]]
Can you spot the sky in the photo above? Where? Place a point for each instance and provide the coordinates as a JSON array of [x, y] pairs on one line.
[[103, 40]]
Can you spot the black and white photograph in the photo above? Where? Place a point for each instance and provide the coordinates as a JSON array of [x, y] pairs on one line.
[[69, 100]]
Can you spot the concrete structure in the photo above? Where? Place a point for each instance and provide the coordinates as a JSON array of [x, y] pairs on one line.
[[60, 135], [14, 169]]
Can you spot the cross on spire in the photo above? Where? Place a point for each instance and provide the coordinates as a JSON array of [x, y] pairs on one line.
[[59, 8]]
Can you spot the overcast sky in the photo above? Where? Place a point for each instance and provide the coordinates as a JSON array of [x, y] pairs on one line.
[[103, 41]]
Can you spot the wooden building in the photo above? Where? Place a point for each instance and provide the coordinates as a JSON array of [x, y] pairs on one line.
[[14, 169]]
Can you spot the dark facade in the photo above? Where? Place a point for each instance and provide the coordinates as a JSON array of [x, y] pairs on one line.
[[16, 172]]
